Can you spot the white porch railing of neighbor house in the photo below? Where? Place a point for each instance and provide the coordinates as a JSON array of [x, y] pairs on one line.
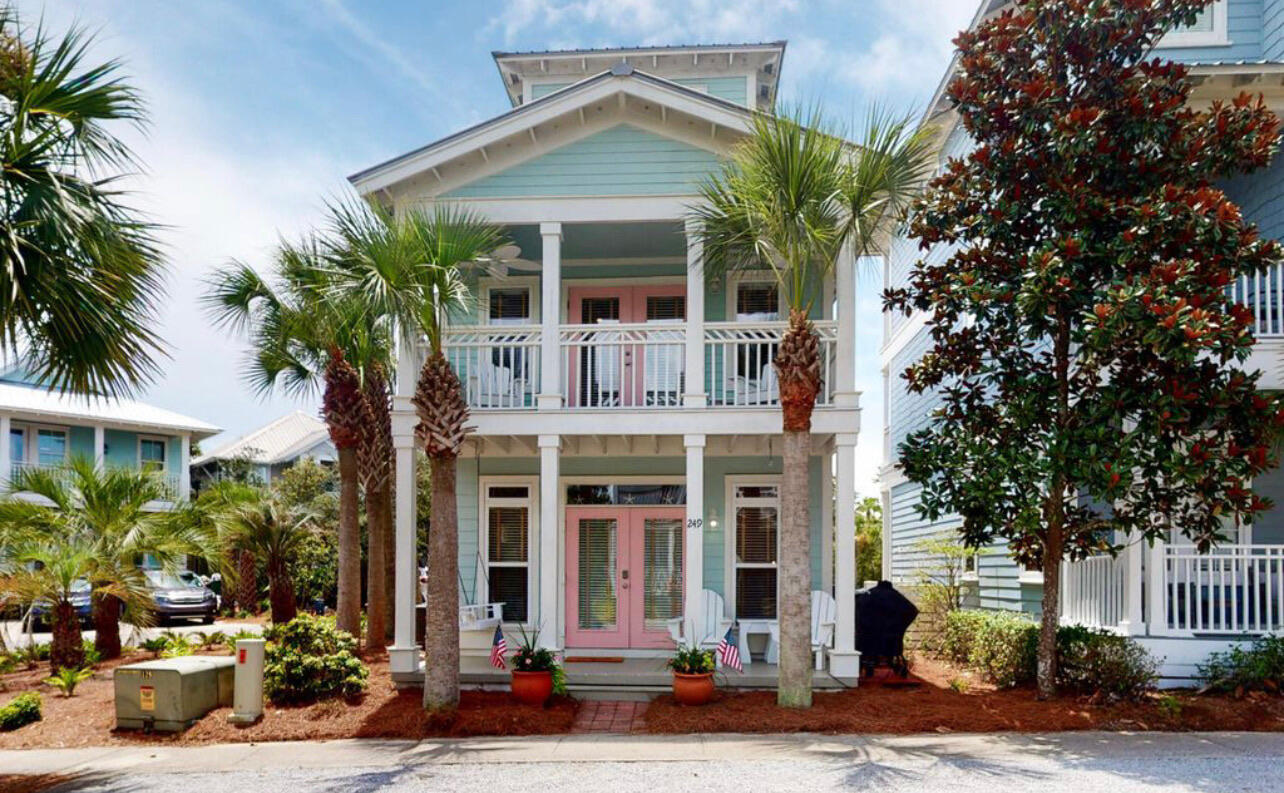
[[1264, 294], [171, 484], [1231, 589], [1093, 591], [637, 365], [739, 358], [497, 364]]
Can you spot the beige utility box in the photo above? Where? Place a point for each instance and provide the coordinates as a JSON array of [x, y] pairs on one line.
[[170, 694]]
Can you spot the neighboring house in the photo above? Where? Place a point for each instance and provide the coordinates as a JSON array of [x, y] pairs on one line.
[[269, 450], [1179, 604], [41, 429], [626, 456]]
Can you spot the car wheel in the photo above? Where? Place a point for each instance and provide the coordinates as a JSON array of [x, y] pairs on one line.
[[208, 619]]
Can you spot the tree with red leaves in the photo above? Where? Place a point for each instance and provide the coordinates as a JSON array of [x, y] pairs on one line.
[[1084, 343]]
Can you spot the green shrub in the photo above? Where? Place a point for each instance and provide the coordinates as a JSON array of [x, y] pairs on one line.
[[19, 711], [1256, 667], [1000, 645], [309, 659], [8, 662], [92, 656], [66, 679], [691, 660], [1104, 664]]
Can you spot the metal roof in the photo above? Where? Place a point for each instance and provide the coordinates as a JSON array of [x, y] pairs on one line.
[[780, 44], [279, 441], [37, 401]]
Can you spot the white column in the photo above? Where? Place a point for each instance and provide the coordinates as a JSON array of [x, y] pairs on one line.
[[403, 655], [549, 502], [184, 466], [1156, 619], [100, 447], [845, 368], [693, 571], [827, 525], [1134, 621], [695, 395], [550, 352], [6, 451], [888, 547], [844, 661]]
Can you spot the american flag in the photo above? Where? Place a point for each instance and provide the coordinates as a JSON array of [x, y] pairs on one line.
[[729, 653], [497, 649]]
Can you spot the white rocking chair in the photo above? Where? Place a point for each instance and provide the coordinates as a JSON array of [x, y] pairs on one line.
[[713, 618]]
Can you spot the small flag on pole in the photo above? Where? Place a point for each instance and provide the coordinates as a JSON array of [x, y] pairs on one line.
[[497, 649], [729, 653]]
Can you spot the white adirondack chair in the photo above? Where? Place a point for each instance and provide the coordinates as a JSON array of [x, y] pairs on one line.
[[713, 618], [824, 616]]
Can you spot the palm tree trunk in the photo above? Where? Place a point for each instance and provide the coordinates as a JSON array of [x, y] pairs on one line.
[[798, 369], [106, 625], [441, 632], [247, 583], [348, 611], [281, 592], [376, 592], [66, 649], [390, 560]]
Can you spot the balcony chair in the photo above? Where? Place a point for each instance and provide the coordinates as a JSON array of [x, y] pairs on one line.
[[663, 361], [603, 376], [754, 381]]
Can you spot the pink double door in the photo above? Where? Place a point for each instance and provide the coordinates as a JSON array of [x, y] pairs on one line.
[[624, 575], [628, 367]]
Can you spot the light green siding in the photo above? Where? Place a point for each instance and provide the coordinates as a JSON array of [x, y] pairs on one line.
[[732, 89], [623, 160], [716, 471], [544, 89], [122, 448], [80, 442]]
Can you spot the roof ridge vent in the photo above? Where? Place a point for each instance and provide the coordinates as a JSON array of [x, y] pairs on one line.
[[622, 69]]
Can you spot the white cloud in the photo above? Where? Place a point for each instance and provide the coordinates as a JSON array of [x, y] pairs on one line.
[[646, 22]]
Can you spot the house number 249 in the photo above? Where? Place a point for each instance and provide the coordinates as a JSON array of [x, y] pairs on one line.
[[695, 523]]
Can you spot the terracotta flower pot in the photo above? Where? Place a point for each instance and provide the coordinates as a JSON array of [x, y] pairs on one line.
[[532, 688], [693, 689]]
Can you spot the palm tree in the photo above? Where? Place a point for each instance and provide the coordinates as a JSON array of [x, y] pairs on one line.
[[47, 570], [107, 510], [80, 271], [304, 331], [237, 565], [791, 198], [420, 284], [273, 533]]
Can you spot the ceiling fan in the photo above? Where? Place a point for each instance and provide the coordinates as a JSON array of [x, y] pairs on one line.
[[507, 259]]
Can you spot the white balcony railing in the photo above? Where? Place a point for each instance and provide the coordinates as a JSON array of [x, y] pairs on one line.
[[739, 356], [498, 365], [171, 484], [1264, 294], [623, 366], [1093, 592], [1232, 589]]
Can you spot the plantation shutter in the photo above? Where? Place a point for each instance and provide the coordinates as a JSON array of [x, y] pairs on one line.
[[510, 306], [662, 552], [508, 539], [758, 299], [597, 555], [756, 535], [661, 308], [756, 545]]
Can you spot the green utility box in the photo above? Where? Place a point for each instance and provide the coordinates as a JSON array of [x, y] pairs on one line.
[[170, 694]]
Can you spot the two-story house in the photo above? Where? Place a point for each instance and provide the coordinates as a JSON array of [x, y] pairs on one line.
[[1180, 604], [42, 429], [269, 450], [626, 460]]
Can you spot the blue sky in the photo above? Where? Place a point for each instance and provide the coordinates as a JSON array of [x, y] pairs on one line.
[[260, 109]]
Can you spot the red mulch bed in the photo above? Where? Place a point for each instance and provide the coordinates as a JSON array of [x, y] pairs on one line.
[[88, 718], [935, 707]]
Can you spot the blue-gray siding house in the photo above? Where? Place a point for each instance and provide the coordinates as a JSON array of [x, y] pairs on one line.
[[1180, 604]]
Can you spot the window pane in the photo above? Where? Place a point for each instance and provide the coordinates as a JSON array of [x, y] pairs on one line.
[[17, 446], [510, 304], [597, 595], [757, 301], [152, 454], [1203, 24], [756, 491], [756, 535], [51, 447], [662, 566], [508, 529], [756, 593], [508, 586], [660, 308], [508, 491]]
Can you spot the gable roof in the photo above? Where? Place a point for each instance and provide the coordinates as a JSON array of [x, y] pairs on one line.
[[37, 403], [622, 80], [276, 442]]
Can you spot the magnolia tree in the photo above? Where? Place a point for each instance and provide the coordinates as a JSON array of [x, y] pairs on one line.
[[1084, 344]]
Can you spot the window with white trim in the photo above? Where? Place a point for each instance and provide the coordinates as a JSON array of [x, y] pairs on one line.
[[509, 306], [1210, 29], [507, 511], [756, 518], [151, 454], [17, 445], [51, 447]]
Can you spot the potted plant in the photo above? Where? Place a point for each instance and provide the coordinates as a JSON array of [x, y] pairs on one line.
[[692, 675], [536, 673]]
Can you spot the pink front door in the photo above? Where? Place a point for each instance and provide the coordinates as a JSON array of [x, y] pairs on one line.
[[623, 575], [612, 373]]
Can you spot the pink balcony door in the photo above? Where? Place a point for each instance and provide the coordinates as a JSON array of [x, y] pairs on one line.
[[614, 374], [624, 574]]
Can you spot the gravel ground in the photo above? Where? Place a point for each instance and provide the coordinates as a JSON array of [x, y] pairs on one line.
[[911, 772]]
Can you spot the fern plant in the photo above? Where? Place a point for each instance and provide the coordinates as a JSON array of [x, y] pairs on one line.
[[66, 679]]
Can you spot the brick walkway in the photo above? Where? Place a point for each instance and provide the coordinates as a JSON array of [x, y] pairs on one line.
[[610, 717]]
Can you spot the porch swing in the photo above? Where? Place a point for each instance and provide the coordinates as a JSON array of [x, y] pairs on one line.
[[480, 618]]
